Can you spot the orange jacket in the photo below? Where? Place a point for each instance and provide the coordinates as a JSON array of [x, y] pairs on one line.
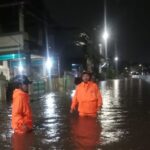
[[87, 97], [21, 111]]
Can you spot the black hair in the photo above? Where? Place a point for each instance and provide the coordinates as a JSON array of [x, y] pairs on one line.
[[88, 73]]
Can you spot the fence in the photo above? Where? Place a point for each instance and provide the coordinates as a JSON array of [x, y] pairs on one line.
[[43, 86]]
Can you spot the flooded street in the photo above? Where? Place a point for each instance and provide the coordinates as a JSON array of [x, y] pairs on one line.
[[122, 124]]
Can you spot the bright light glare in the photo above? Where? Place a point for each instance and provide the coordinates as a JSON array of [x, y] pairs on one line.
[[103, 65], [49, 63], [105, 35], [140, 65], [116, 58], [72, 93], [20, 67]]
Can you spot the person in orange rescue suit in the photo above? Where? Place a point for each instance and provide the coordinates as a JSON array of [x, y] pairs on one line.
[[87, 97], [21, 110]]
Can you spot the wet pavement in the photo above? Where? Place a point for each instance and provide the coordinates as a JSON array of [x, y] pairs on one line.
[[122, 124]]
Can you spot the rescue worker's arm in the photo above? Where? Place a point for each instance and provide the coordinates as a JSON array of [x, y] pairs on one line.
[[74, 101], [99, 97]]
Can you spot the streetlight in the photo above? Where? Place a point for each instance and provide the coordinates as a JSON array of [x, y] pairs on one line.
[[141, 66], [49, 63], [116, 64], [105, 35], [20, 68], [116, 59]]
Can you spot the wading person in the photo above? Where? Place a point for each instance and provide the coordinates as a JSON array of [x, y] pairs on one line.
[[21, 111], [87, 97]]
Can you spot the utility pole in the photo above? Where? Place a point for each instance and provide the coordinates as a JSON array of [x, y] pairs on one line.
[[49, 84], [24, 49], [21, 19]]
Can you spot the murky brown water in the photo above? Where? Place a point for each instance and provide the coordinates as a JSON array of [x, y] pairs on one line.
[[123, 123]]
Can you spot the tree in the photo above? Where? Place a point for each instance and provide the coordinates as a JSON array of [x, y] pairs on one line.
[[91, 52]]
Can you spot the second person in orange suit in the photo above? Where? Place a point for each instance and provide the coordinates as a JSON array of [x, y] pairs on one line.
[[21, 111], [87, 97]]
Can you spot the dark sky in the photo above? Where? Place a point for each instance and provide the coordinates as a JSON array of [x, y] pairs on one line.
[[129, 22]]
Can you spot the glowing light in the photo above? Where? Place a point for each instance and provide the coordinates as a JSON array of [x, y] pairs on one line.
[[105, 35], [116, 58], [49, 63], [72, 93], [104, 65], [140, 65], [20, 68], [80, 43]]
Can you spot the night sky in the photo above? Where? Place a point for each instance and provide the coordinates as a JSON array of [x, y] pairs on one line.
[[128, 21]]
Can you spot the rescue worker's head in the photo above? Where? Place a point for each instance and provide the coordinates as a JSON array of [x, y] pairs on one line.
[[86, 76], [22, 82]]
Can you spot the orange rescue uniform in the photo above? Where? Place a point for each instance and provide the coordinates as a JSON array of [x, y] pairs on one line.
[[21, 112], [88, 99]]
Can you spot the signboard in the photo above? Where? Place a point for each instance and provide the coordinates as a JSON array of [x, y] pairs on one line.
[[10, 56]]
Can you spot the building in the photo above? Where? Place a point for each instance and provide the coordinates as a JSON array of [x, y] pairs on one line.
[[22, 39]]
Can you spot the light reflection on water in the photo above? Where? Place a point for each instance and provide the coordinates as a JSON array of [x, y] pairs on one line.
[[50, 105], [111, 114], [125, 106]]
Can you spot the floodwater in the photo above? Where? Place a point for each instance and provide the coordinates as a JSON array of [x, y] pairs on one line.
[[122, 124]]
